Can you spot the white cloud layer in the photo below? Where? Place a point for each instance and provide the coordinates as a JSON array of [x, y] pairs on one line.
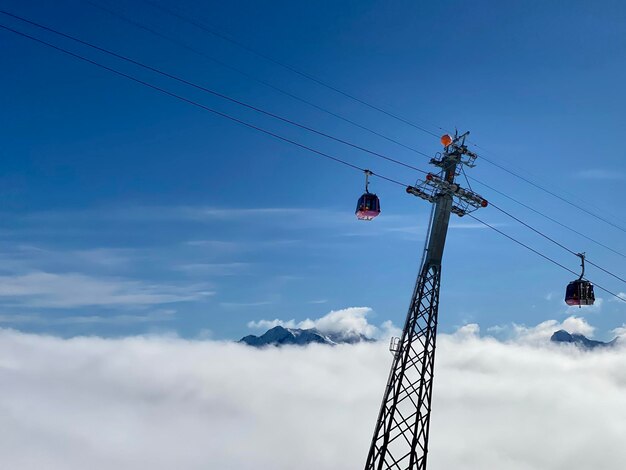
[[162, 403]]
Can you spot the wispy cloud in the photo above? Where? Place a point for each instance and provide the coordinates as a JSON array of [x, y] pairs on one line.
[[241, 213], [51, 290], [39, 319], [214, 244], [108, 257], [419, 230], [242, 246], [193, 213], [259, 303], [30, 256], [600, 174], [214, 269]]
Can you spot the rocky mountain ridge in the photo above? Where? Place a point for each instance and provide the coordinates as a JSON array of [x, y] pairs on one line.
[[279, 336], [562, 336]]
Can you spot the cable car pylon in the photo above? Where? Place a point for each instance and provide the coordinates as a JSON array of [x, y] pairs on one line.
[[400, 440]]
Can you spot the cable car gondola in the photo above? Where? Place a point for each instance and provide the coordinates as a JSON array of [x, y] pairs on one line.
[[580, 291], [368, 205]]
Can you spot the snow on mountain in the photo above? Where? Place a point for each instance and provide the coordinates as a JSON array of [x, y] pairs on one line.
[[279, 336]]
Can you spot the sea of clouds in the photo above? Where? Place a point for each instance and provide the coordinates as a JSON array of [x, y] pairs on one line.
[[160, 402]]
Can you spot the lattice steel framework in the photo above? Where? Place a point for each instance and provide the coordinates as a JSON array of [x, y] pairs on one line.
[[400, 439], [401, 436]]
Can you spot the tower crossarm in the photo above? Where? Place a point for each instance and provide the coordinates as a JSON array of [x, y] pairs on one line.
[[467, 200], [464, 195], [415, 191]]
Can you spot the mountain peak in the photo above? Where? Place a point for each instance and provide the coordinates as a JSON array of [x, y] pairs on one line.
[[562, 336], [280, 335]]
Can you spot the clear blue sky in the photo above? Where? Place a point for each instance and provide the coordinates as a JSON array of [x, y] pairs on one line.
[[125, 211]]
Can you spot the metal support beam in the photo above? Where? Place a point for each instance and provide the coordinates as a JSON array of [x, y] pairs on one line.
[[401, 436], [400, 439]]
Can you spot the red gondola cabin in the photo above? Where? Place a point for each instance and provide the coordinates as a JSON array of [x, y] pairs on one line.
[[579, 292], [368, 207]]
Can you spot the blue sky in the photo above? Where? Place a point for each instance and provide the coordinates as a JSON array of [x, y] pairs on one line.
[[125, 211]]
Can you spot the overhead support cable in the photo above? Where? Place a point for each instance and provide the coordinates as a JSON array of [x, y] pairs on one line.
[[195, 103], [292, 69], [567, 194], [254, 78], [573, 230], [547, 258], [239, 44], [539, 232], [552, 193], [212, 92]]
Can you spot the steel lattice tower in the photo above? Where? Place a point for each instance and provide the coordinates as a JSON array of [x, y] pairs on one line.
[[400, 439]]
